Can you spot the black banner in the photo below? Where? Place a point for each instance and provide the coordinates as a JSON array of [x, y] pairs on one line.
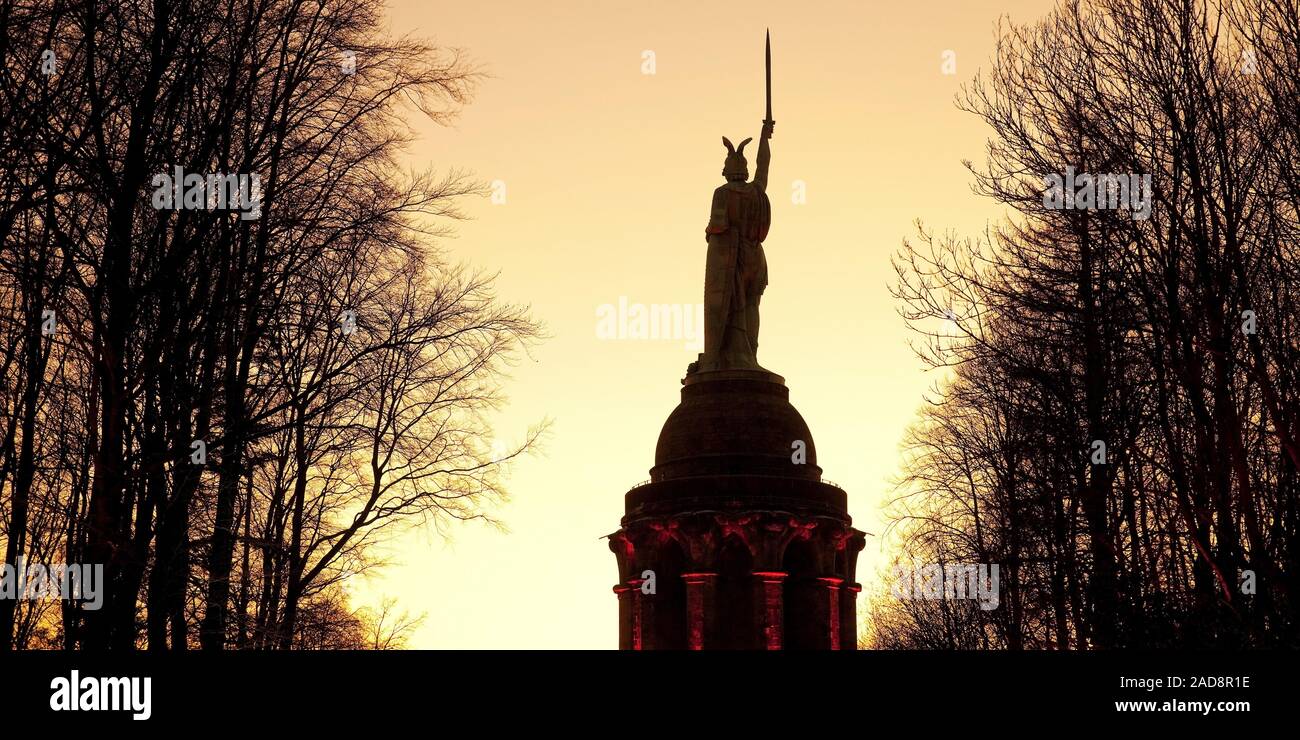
[[1043, 692]]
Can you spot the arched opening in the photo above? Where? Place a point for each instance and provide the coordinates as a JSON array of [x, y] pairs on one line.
[[669, 599], [803, 621], [735, 604]]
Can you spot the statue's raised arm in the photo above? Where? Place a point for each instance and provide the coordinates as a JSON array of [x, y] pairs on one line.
[[765, 151], [764, 156]]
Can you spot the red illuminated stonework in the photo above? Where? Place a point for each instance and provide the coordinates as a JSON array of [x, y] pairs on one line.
[[747, 546]]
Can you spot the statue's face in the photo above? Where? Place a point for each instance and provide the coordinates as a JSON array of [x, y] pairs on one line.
[[734, 176]]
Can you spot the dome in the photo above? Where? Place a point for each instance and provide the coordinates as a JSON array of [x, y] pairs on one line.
[[734, 422]]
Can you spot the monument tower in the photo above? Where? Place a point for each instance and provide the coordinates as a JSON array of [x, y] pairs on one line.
[[736, 542]]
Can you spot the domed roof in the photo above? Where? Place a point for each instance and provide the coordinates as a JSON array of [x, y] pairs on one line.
[[735, 422]]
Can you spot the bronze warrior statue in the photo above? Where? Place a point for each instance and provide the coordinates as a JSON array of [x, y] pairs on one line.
[[735, 271]]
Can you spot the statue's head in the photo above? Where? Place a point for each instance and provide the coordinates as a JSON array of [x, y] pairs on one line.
[[736, 169]]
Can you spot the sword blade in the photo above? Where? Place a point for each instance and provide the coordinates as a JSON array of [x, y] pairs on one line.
[[767, 59]]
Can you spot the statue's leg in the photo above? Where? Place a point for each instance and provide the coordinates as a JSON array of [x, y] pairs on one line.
[[735, 345], [717, 273], [756, 293], [751, 322]]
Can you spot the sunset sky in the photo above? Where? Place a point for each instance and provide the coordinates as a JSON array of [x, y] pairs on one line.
[[608, 173]]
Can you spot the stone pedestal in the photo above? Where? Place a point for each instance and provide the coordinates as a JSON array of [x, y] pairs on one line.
[[734, 517]]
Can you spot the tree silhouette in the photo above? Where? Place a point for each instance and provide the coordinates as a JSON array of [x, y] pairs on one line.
[[1168, 336], [243, 388]]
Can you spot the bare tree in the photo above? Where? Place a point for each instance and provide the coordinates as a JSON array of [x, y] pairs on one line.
[[1120, 382], [261, 362]]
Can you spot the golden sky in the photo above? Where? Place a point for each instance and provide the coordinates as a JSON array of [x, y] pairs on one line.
[[608, 173]]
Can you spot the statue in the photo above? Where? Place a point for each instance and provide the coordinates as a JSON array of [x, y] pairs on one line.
[[735, 270]]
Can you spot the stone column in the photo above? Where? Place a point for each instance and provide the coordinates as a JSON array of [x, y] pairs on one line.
[[701, 610], [830, 602], [849, 590], [769, 609], [849, 615], [643, 617], [626, 607]]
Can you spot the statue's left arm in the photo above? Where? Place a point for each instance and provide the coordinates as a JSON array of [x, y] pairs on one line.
[[717, 214]]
